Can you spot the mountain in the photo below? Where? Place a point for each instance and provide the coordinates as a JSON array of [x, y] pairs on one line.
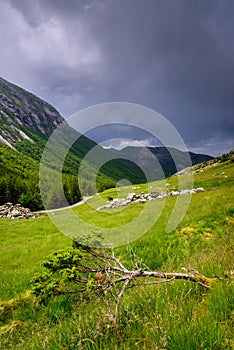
[[159, 162], [26, 125], [22, 112]]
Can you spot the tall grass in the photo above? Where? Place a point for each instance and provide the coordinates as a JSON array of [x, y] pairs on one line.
[[178, 315]]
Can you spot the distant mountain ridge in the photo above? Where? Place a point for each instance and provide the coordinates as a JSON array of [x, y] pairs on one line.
[[145, 157]]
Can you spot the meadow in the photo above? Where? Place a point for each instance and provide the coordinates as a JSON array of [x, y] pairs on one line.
[[178, 315]]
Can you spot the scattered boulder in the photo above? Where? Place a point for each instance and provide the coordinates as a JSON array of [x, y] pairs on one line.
[[133, 198], [16, 211], [173, 193], [187, 191], [199, 189], [154, 194]]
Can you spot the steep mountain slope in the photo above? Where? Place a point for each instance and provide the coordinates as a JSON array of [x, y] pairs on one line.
[[26, 125], [21, 112]]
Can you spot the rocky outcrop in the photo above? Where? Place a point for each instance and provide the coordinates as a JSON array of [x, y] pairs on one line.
[[21, 111], [134, 198], [16, 211]]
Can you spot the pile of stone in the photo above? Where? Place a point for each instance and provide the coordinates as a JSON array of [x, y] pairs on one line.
[[16, 211], [134, 198]]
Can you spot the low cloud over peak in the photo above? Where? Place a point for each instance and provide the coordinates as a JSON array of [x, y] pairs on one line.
[[120, 144]]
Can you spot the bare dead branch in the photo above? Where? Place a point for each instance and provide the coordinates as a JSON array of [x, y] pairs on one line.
[[115, 287], [119, 263], [152, 282], [118, 299]]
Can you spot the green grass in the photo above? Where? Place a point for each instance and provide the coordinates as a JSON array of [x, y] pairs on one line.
[[178, 315], [23, 245]]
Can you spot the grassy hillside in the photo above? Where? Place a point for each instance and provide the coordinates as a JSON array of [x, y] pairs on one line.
[[19, 172], [178, 315], [26, 125], [19, 176], [19, 181]]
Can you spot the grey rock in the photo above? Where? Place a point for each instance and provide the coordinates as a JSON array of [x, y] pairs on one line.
[[187, 191], [126, 202], [199, 189], [173, 193], [16, 211], [131, 196], [154, 194]]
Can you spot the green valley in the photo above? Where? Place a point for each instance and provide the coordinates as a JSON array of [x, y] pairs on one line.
[[175, 315]]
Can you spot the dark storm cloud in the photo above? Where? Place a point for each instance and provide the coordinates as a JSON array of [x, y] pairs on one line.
[[174, 56]]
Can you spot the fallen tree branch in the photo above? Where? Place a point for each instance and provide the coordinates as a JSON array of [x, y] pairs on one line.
[[97, 271], [152, 282], [128, 276]]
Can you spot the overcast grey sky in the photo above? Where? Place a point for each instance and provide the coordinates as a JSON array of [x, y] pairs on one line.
[[175, 56]]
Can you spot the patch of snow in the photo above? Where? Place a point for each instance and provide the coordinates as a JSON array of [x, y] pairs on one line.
[[26, 137], [7, 143]]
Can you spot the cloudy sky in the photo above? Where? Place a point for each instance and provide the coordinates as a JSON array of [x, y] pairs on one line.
[[175, 56]]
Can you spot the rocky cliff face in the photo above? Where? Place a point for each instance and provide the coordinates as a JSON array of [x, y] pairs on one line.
[[21, 111]]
